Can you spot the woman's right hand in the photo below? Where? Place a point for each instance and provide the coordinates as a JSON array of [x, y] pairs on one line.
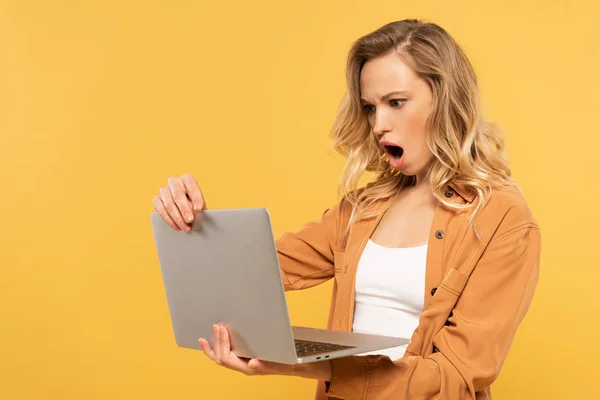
[[177, 202]]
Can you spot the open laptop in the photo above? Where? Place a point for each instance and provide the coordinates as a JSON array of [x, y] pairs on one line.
[[226, 271]]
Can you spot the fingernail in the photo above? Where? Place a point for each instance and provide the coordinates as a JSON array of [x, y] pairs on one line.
[[197, 206], [188, 217]]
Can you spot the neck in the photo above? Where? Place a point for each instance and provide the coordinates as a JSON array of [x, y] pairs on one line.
[[422, 188], [423, 182]]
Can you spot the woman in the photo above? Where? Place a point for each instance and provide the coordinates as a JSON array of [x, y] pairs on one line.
[[440, 247]]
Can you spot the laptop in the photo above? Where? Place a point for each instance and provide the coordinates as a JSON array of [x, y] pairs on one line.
[[226, 271]]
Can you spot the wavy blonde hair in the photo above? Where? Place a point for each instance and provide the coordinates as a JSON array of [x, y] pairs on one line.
[[468, 150]]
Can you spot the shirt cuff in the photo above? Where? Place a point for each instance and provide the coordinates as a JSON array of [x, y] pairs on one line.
[[349, 378]]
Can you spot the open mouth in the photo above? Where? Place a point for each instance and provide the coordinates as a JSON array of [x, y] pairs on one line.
[[394, 151]]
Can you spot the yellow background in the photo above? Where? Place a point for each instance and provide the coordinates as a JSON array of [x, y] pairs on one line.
[[100, 102]]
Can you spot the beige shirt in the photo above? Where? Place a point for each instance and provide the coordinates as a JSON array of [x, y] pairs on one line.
[[476, 294]]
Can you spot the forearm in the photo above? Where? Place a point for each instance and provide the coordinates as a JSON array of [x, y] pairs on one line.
[[316, 370], [378, 377]]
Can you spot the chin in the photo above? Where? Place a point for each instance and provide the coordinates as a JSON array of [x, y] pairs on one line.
[[406, 170], [416, 168]]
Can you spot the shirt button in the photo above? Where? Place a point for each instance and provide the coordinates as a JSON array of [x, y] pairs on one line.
[[448, 193], [433, 291], [439, 234]]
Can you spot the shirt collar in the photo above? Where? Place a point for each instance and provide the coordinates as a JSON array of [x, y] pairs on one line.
[[463, 191]]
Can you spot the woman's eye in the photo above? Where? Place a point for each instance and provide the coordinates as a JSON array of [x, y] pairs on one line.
[[397, 102], [369, 108]]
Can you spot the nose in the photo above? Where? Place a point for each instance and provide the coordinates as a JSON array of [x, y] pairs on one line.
[[381, 123]]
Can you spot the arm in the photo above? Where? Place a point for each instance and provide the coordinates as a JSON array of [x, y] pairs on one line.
[[306, 257], [472, 348]]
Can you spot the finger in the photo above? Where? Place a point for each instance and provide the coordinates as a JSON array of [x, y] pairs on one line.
[[228, 358], [255, 364], [180, 198], [162, 211], [225, 343], [237, 364], [207, 350], [260, 367], [167, 199], [194, 193], [217, 343]]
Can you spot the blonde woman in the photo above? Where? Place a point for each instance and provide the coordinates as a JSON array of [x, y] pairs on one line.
[[441, 247]]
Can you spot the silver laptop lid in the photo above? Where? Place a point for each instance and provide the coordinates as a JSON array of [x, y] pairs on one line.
[[226, 271]]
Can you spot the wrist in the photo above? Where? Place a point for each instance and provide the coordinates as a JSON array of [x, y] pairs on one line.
[[320, 370]]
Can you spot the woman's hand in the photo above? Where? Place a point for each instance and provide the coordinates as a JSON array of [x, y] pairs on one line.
[[177, 202], [223, 355]]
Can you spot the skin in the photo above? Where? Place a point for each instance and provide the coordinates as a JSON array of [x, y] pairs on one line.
[[397, 104]]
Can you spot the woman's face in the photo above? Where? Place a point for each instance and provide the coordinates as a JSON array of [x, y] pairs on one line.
[[397, 104]]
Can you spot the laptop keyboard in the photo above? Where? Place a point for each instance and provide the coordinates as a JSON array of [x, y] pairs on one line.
[[307, 348]]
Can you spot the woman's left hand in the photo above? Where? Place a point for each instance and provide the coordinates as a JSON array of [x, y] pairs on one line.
[[223, 355]]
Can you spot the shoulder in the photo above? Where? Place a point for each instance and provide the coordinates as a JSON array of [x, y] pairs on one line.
[[506, 211]]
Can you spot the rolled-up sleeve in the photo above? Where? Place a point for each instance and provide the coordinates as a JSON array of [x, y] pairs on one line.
[[306, 257]]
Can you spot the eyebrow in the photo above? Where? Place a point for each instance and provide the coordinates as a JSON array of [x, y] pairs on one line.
[[387, 96]]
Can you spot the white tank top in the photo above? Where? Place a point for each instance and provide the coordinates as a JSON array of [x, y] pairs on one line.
[[390, 291]]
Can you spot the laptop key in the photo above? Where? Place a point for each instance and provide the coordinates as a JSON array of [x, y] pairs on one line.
[[308, 348]]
